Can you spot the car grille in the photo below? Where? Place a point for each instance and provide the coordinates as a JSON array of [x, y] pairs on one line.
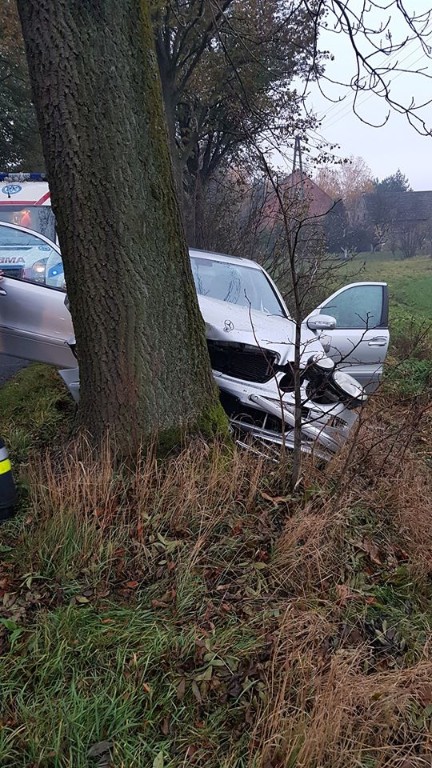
[[242, 361]]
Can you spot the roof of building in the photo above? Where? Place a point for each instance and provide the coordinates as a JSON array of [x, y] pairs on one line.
[[300, 192], [401, 206]]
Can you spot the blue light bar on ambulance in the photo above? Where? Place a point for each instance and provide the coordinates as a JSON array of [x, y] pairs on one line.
[[23, 177]]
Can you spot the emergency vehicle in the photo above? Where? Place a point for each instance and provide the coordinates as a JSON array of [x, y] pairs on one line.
[[25, 201]]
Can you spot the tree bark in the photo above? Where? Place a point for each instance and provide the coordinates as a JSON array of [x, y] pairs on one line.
[[144, 367]]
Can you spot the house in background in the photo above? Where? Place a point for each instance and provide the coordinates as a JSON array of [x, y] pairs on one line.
[[401, 220], [302, 200]]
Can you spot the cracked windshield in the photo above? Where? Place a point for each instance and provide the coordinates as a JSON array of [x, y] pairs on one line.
[[235, 284]]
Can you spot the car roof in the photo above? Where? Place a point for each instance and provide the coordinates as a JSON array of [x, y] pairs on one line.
[[197, 253]]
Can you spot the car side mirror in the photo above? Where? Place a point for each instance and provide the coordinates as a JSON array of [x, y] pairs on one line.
[[321, 323]]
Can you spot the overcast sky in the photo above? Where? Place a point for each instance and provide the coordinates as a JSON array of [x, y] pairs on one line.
[[397, 144]]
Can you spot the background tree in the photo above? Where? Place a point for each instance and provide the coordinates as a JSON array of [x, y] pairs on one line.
[[229, 213], [337, 228], [411, 235], [20, 147], [386, 208], [347, 183], [396, 182], [144, 366], [227, 71]]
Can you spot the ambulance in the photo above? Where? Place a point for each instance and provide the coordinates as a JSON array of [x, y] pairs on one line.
[[25, 201]]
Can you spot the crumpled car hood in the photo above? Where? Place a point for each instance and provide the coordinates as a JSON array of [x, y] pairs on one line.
[[232, 323]]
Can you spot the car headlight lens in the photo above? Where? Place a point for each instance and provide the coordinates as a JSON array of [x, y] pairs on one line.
[[347, 387], [39, 267], [36, 272]]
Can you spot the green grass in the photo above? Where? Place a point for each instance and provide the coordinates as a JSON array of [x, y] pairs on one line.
[[122, 674], [35, 410], [410, 377]]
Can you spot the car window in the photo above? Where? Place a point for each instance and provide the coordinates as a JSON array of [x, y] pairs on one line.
[[235, 284], [39, 218], [25, 256], [359, 306]]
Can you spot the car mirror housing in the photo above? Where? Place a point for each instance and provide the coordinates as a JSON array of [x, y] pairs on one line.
[[321, 323]]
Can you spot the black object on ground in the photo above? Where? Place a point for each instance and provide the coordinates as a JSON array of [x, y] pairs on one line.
[[8, 494]]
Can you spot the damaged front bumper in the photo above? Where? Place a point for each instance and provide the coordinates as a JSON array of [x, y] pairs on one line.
[[266, 414]]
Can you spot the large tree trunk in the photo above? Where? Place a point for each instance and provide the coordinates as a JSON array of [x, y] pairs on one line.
[[144, 367]]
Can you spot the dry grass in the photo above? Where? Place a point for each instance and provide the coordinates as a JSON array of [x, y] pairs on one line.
[[323, 595], [340, 696], [391, 474], [307, 555], [201, 515], [325, 711]]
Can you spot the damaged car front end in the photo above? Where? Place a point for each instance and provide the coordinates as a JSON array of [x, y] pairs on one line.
[[251, 344], [254, 370]]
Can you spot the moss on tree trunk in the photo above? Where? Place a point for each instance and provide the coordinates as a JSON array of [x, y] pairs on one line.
[[144, 366]]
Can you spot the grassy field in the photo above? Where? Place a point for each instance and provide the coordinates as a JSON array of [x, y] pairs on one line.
[[194, 612], [409, 280]]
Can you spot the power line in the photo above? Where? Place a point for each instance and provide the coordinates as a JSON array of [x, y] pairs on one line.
[[360, 103], [341, 107], [346, 109]]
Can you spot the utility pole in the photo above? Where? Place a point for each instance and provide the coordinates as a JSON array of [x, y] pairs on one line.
[[298, 154]]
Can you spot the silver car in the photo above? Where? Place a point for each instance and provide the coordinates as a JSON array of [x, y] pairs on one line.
[[250, 337]]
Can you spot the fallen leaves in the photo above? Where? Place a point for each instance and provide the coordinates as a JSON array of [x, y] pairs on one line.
[[345, 593], [371, 549], [101, 752], [181, 689], [80, 599]]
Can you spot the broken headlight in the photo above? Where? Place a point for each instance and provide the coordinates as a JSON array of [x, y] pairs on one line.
[[318, 371], [329, 385], [315, 371], [348, 389], [319, 368]]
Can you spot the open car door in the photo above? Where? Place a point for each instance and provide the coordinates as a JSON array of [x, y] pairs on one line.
[[360, 340], [34, 322]]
